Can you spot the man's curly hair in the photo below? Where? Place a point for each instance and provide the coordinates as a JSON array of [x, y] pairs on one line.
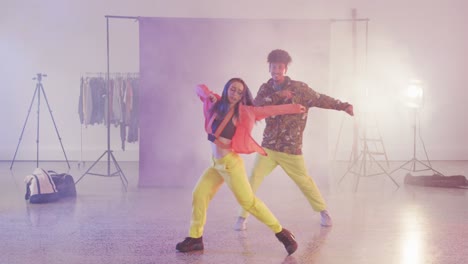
[[279, 56]]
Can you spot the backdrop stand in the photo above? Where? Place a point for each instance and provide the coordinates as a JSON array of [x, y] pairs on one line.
[[108, 152], [359, 159]]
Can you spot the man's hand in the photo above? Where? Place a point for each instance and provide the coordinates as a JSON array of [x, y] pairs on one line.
[[349, 110]]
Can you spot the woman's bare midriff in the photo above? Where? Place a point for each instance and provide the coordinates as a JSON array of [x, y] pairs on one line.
[[219, 152]]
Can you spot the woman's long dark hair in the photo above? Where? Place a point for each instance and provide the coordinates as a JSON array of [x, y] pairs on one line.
[[221, 107]]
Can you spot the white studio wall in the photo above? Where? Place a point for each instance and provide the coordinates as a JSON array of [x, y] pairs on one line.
[[53, 40], [64, 39]]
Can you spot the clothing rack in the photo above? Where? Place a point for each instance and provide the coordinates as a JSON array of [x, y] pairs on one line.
[[108, 151], [113, 74], [88, 91]]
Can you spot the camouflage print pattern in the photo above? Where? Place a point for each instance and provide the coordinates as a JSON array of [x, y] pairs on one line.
[[283, 133]]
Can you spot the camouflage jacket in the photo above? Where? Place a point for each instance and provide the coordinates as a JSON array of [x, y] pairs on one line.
[[283, 133]]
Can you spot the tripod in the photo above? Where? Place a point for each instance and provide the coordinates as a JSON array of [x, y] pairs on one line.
[[412, 162], [37, 91], [119, 171]]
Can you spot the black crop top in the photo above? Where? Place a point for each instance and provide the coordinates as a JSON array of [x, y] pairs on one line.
[[228, 131]]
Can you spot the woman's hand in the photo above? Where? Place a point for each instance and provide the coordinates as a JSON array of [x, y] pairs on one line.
[[301, 108], [202, 87], [286, 94], [212, 98]]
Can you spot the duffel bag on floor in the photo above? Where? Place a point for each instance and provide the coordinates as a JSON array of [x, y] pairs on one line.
[[65, 184], [455, 181], [40, 188]]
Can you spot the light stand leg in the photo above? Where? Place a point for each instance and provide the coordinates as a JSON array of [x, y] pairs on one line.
[[119, 171], [427, 156], [24, 126], [414, 160], [55, 125], [413, 168], [109, 153], [428, 167], [338, 139], [403, 166], [362, 168], [91, 167], [385, 172], [350, 167], [38, 122]]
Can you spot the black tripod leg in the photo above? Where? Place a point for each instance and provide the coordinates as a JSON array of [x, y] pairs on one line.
[[428, 167], [94, 164], [24, 126], [338, 139], [121, 174], [402, 166], [53, 121], [350, 168], [362, 170], [386, 173]]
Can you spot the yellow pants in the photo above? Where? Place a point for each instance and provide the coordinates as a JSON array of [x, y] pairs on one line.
[[294, 166], [229, 169]]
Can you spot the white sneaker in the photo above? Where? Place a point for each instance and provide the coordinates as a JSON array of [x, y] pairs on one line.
[[325, 218], [241, 224]]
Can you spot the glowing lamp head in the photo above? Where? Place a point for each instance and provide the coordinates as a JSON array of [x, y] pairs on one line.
[[414, 94]]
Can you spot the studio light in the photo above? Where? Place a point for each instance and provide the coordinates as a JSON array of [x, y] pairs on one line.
[[414, 100], [414, 94]]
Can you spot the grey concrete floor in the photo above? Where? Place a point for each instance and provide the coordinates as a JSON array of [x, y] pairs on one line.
[[378, 223]]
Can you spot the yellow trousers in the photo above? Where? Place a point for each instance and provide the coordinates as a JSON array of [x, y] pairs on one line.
[[294, 166], [229, 169]]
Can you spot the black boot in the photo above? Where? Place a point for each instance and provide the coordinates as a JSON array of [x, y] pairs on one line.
[[288, 240], [190, 244]]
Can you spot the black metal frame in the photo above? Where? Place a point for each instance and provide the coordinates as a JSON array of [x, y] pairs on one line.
[[108, 151], [360, 160]]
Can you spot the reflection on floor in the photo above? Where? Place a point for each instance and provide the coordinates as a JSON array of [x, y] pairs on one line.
[[376, 224]]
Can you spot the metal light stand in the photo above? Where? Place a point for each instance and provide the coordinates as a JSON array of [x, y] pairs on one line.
[[412, 162], [37, 91], [108, 152]]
